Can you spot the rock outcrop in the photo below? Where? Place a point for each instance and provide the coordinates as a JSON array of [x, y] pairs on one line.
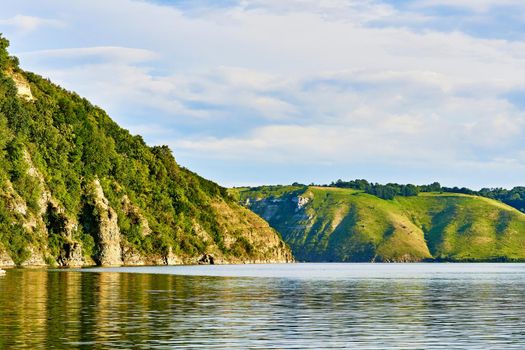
[[5, 259], [22, 86], [109, 232], [35, 259], [51, 212], [71, 255]]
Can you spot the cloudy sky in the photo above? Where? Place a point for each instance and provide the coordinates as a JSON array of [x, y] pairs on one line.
[[271, 91]]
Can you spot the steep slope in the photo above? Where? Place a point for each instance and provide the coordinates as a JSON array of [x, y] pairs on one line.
[[76, 189], [334, 224]]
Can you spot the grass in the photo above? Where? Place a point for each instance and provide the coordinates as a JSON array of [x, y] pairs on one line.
[[349, 225]]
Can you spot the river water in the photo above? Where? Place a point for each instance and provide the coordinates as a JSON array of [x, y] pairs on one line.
[[295, 306]]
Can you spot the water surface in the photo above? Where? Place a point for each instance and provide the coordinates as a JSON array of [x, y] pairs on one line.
[[297, 306]]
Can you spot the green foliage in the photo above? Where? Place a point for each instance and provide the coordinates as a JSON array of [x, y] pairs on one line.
[[4, 55], [388, 191], [89, 248], [55, 224], [14, 237], [272, 191], [514, 197], [16, 240]]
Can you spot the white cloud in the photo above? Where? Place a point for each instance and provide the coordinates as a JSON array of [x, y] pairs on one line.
[[108, 53], [357, 11], [398, 117], [243, 78], [475, 5], [298, 81], [30, 23]]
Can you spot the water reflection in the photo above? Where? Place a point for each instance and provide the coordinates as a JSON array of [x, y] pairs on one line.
[[42, 309]]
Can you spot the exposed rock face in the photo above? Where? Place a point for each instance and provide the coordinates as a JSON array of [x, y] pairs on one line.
[[23, 87], [405, 258], [109, 232], [35, 223], [301, 201], [72, 256], [13, 201], [5, 259], [35, 258], [207, 259], [172, 259], [132, 257], [248, 235], [252, 233]]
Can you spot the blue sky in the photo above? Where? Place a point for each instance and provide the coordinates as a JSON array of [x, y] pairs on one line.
[[267, 91]]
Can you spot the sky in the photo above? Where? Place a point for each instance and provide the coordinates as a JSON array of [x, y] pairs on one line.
[[273, 92]]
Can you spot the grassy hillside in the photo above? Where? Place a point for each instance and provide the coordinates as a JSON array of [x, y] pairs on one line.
[[77, 189], [336, 224]]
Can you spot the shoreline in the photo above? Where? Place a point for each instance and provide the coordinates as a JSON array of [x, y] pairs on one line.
[[384, 263]]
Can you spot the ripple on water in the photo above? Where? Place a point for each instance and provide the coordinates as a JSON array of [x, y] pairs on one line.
[[301, 306]]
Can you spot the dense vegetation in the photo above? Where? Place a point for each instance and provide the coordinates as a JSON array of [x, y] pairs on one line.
[[514, 197], [55, 144], [346, 224]]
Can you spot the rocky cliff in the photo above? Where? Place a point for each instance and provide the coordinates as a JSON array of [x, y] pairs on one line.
[[77, 190]]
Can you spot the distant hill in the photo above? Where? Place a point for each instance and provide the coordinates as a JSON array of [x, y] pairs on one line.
[[76, 189], [341, 224]]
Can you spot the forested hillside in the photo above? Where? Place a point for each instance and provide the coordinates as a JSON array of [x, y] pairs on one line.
[[77, 189], [345, 224]]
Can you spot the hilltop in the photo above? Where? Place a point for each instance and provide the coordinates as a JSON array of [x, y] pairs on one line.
[[342, 224], [76, 189]]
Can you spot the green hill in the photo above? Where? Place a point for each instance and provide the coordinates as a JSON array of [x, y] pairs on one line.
[[76, 189], [336, 224]]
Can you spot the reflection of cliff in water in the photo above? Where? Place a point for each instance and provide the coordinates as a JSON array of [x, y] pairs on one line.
[[42, 309], [23, 308]]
